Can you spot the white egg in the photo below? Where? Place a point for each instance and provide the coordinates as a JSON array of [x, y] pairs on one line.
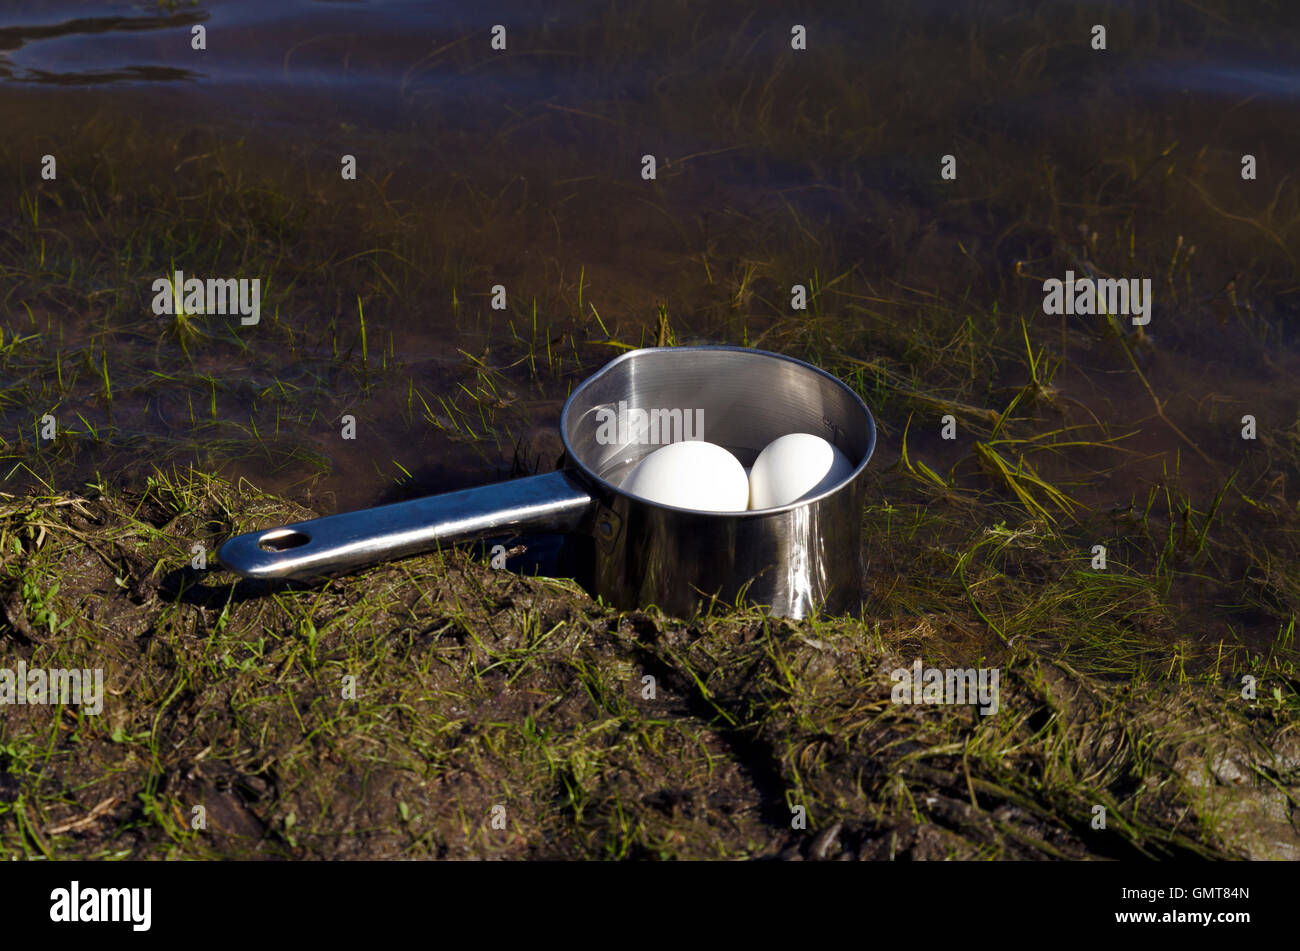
[[691, 475], [795, 467]]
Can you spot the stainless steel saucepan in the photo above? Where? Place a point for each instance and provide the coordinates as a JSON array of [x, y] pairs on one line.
[[791, 559]]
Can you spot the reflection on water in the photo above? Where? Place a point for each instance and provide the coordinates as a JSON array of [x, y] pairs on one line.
[[66, 51], [1229, 79], [342, 44]]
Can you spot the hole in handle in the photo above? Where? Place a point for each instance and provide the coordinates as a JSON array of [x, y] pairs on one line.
[[282, 539]]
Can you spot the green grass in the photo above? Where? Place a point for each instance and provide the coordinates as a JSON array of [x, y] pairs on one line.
[[477, 688]]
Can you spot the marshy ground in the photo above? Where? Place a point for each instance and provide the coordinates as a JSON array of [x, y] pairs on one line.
[[476, 688]]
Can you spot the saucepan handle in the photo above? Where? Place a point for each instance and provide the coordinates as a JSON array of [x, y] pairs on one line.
[[554, 502]]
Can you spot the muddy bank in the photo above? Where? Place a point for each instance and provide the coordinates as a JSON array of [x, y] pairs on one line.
[[495, 715]]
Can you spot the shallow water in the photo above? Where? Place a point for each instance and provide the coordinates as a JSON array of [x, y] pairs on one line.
[[524, 166]]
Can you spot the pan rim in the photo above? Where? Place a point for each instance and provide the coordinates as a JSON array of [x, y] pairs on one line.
[[573, 460]]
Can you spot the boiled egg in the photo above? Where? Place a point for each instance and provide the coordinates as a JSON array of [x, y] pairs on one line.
[[691, 475], [794, 467]]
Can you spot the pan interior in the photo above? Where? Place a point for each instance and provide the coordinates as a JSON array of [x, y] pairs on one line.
[[739, 399]]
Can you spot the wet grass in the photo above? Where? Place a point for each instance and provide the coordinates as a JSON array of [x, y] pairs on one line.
[[1122, 685]]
